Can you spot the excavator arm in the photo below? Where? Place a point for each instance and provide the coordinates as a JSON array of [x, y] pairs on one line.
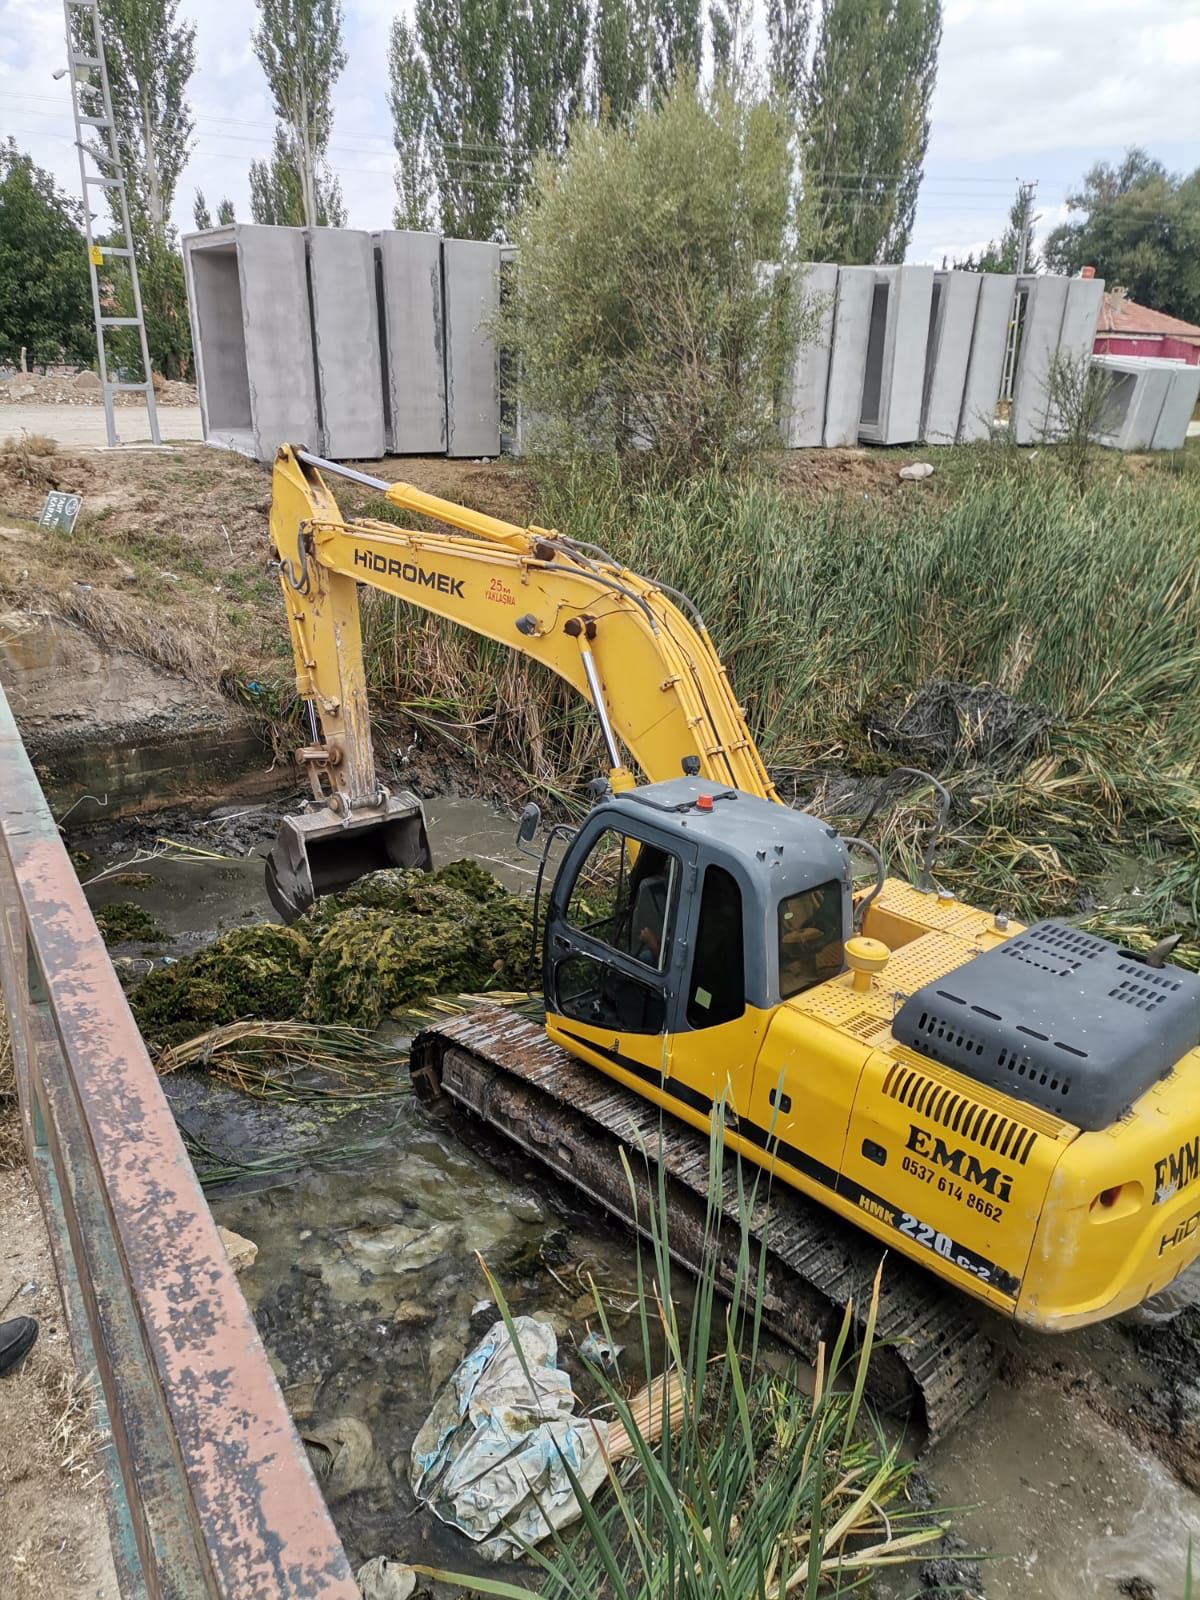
[[648, 668]]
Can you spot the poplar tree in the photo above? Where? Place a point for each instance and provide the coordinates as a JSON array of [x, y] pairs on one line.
[[732, 48], [277, 190], [408, 97], [549, 58], [620, 59], [202, 216], [866, 127], [675, 39], [299, 46], [467, 49], [788, 25], [150, 56]]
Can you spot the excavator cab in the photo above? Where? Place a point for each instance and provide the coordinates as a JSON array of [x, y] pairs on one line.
[[682, 908]]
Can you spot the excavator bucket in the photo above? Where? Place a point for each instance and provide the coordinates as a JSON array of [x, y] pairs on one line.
[[319, 853]]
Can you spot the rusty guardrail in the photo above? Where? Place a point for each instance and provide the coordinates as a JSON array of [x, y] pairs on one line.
[[210, 1491]]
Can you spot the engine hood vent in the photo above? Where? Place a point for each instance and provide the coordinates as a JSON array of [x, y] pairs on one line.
[[1060, 1019]]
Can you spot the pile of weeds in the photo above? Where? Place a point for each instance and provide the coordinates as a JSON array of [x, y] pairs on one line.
[[398, 935], [353, 959], [258, 972], [125, 922]]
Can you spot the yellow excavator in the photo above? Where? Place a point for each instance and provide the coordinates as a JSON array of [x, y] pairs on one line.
[[1015, 1110]]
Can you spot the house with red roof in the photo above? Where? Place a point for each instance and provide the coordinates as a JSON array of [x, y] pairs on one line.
[[1127, 329]]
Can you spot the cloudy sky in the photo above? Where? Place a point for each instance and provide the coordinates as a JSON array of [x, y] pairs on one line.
[[1027, 90]]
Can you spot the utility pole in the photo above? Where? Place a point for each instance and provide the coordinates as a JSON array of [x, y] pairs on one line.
[[96, 141], [1025, 194]]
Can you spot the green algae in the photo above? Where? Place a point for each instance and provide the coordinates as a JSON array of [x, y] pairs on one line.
[[354, 957], [258, 972], [396, 936], [125, 922]]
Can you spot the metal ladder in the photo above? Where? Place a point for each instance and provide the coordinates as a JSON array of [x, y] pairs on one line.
[[96, 141]]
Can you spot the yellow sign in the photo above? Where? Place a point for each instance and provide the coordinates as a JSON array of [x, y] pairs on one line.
[[97, 255]]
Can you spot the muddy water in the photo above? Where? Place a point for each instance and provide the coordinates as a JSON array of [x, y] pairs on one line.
[[1062, 1499], [366, 1279], [192, 896], [364, 1287]]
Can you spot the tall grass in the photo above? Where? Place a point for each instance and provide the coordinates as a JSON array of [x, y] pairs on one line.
[[744, 1486], [821, 607], [825, 607]]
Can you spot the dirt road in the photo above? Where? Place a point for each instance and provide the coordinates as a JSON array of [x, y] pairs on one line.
[[82, 427]]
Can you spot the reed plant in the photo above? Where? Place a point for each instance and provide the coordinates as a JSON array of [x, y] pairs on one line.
[[1085, 604], [729, 1477]]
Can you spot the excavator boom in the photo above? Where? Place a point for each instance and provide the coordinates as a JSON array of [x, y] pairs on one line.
[[647, 666]]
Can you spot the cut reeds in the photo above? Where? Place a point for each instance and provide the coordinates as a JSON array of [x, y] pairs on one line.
[[659, 1403], [294, 1061]]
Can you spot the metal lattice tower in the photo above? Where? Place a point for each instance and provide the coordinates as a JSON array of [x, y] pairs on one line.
[[100, 167]]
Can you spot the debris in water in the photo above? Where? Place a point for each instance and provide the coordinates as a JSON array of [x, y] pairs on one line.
[[949, 725], [242, 1252], [125, 922], [385, 1579], [491, 1457], [345, 1458], [601, 1352]]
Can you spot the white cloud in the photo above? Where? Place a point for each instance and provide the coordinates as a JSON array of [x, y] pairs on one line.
[[1022, 76]]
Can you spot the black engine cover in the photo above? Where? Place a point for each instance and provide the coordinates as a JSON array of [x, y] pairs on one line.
[[1059, 1018]]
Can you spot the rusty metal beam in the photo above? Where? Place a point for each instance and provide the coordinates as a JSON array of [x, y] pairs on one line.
[[218, 1495]]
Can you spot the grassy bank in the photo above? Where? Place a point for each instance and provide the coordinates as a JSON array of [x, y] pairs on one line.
[[839, 599], [834, 611]]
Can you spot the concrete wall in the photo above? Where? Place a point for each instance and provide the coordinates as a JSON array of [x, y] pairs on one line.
[[345, 313], [848, 356], [894, 380], [1177, 408], [252, 336], [471, 287], [803, 419], [948, 353], [414, 355], [1041, 325], [1150, 403], [1134, 403], [985, 369]]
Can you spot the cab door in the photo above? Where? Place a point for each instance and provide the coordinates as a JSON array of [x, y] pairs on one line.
[[716, 1028], [613, 948]]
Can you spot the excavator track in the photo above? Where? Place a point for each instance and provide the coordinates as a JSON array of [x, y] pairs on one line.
[[936, 1356]]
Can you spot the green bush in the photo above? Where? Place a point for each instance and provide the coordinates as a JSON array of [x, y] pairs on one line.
[[640, 316]]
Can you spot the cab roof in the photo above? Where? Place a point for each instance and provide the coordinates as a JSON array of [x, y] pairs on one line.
[[767, 839]]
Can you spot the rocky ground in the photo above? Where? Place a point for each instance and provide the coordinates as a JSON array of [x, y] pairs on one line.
[[83, 389]]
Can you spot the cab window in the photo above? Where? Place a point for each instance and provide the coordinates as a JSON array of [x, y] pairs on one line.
[[624, 895], [717, 990], [810, 938]]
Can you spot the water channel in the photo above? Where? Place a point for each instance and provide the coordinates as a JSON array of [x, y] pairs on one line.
[[367, 1275]]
